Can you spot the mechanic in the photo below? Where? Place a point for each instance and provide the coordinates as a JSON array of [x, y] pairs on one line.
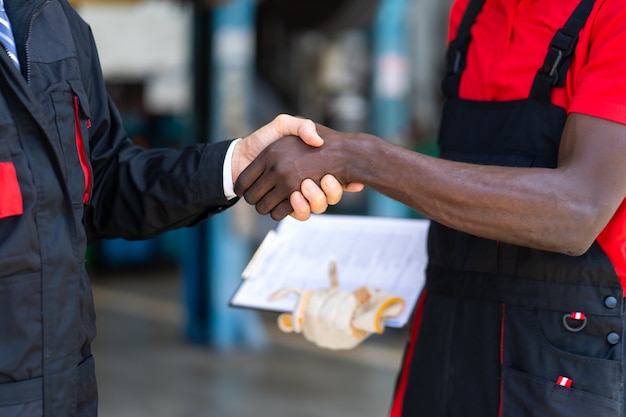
[[523, 310]]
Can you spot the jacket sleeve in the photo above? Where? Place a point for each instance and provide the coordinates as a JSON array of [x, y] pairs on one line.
[[139, 193]]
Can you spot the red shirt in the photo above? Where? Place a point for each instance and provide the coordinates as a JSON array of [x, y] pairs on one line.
[[511, 39]]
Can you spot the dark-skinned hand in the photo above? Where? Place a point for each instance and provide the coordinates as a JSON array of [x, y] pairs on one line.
[[282, 167]]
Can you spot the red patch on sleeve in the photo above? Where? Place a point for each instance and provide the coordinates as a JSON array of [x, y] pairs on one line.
[[11, 203]]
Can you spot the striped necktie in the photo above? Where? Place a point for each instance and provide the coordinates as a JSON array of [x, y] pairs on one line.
[[6, 35]]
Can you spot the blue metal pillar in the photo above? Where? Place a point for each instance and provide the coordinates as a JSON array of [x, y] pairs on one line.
[[391, 88], [227, 79], [233, 57]]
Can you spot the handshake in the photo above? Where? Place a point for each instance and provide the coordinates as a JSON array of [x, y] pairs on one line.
[[293, 166]]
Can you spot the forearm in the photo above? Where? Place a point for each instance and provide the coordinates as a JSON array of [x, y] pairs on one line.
[[540, 208], [561, 210], [143, 193]]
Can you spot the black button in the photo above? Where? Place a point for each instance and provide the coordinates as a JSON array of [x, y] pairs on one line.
[[610, 302], [612, 338]]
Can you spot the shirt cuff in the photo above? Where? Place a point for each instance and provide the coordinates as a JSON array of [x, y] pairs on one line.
[[227, 175]]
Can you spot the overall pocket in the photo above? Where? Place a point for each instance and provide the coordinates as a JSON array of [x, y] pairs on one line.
[[524, 395], [550, 370]]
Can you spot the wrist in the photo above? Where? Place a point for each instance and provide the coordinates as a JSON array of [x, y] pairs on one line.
[[364, 151], [239, 161]]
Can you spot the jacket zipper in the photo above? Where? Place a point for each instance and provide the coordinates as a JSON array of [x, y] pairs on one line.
[[27, 43]]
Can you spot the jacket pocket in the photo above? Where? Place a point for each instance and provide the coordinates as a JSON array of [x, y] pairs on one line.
[[22, 398], [81, 150], [31, 409], [87, 393], [11, 203], [73, 123]]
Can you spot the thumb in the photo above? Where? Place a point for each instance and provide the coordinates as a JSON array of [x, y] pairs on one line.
[[309, 135], [298, 126]]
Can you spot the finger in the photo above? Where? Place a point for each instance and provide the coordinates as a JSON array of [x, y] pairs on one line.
[[300, 205], [249, 176], [315, 196], [309, 135], [354, 187], [270, 200], [258, 191], [296, 126], [282, 210], [332, 189]]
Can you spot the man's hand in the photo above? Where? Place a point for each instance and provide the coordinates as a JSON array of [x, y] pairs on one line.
[[283, 125], [307, 199], [290, 165], [310, 196]]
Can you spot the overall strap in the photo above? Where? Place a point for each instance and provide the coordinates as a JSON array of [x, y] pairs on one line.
[[560, 53], [457, 50]]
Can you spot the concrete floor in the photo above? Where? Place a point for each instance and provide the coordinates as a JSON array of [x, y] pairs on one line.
[[145, 367]]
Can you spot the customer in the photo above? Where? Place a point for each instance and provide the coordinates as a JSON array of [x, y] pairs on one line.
[[69, 174]]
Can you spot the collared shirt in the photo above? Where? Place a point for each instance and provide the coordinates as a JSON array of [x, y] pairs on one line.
[[6, 36]]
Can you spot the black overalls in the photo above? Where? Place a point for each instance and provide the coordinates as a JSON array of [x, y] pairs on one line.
[[506, 330]]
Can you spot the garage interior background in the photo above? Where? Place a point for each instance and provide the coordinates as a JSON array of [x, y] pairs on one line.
[[195, 71]]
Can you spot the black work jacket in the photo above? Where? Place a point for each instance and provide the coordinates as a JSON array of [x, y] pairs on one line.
[[70, 174]]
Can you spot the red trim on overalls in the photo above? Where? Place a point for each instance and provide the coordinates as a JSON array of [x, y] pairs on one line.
[[82, 155], [564, 381], [398, 401], [501, 357]]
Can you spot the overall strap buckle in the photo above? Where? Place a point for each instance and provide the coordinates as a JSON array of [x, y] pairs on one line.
[[560, 53], [561, 50]]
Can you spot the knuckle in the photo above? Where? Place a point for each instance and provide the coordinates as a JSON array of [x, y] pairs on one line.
[[250, 197], [281, 118], [260, 210], [335, 198], [318, 203], [308, 123]]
